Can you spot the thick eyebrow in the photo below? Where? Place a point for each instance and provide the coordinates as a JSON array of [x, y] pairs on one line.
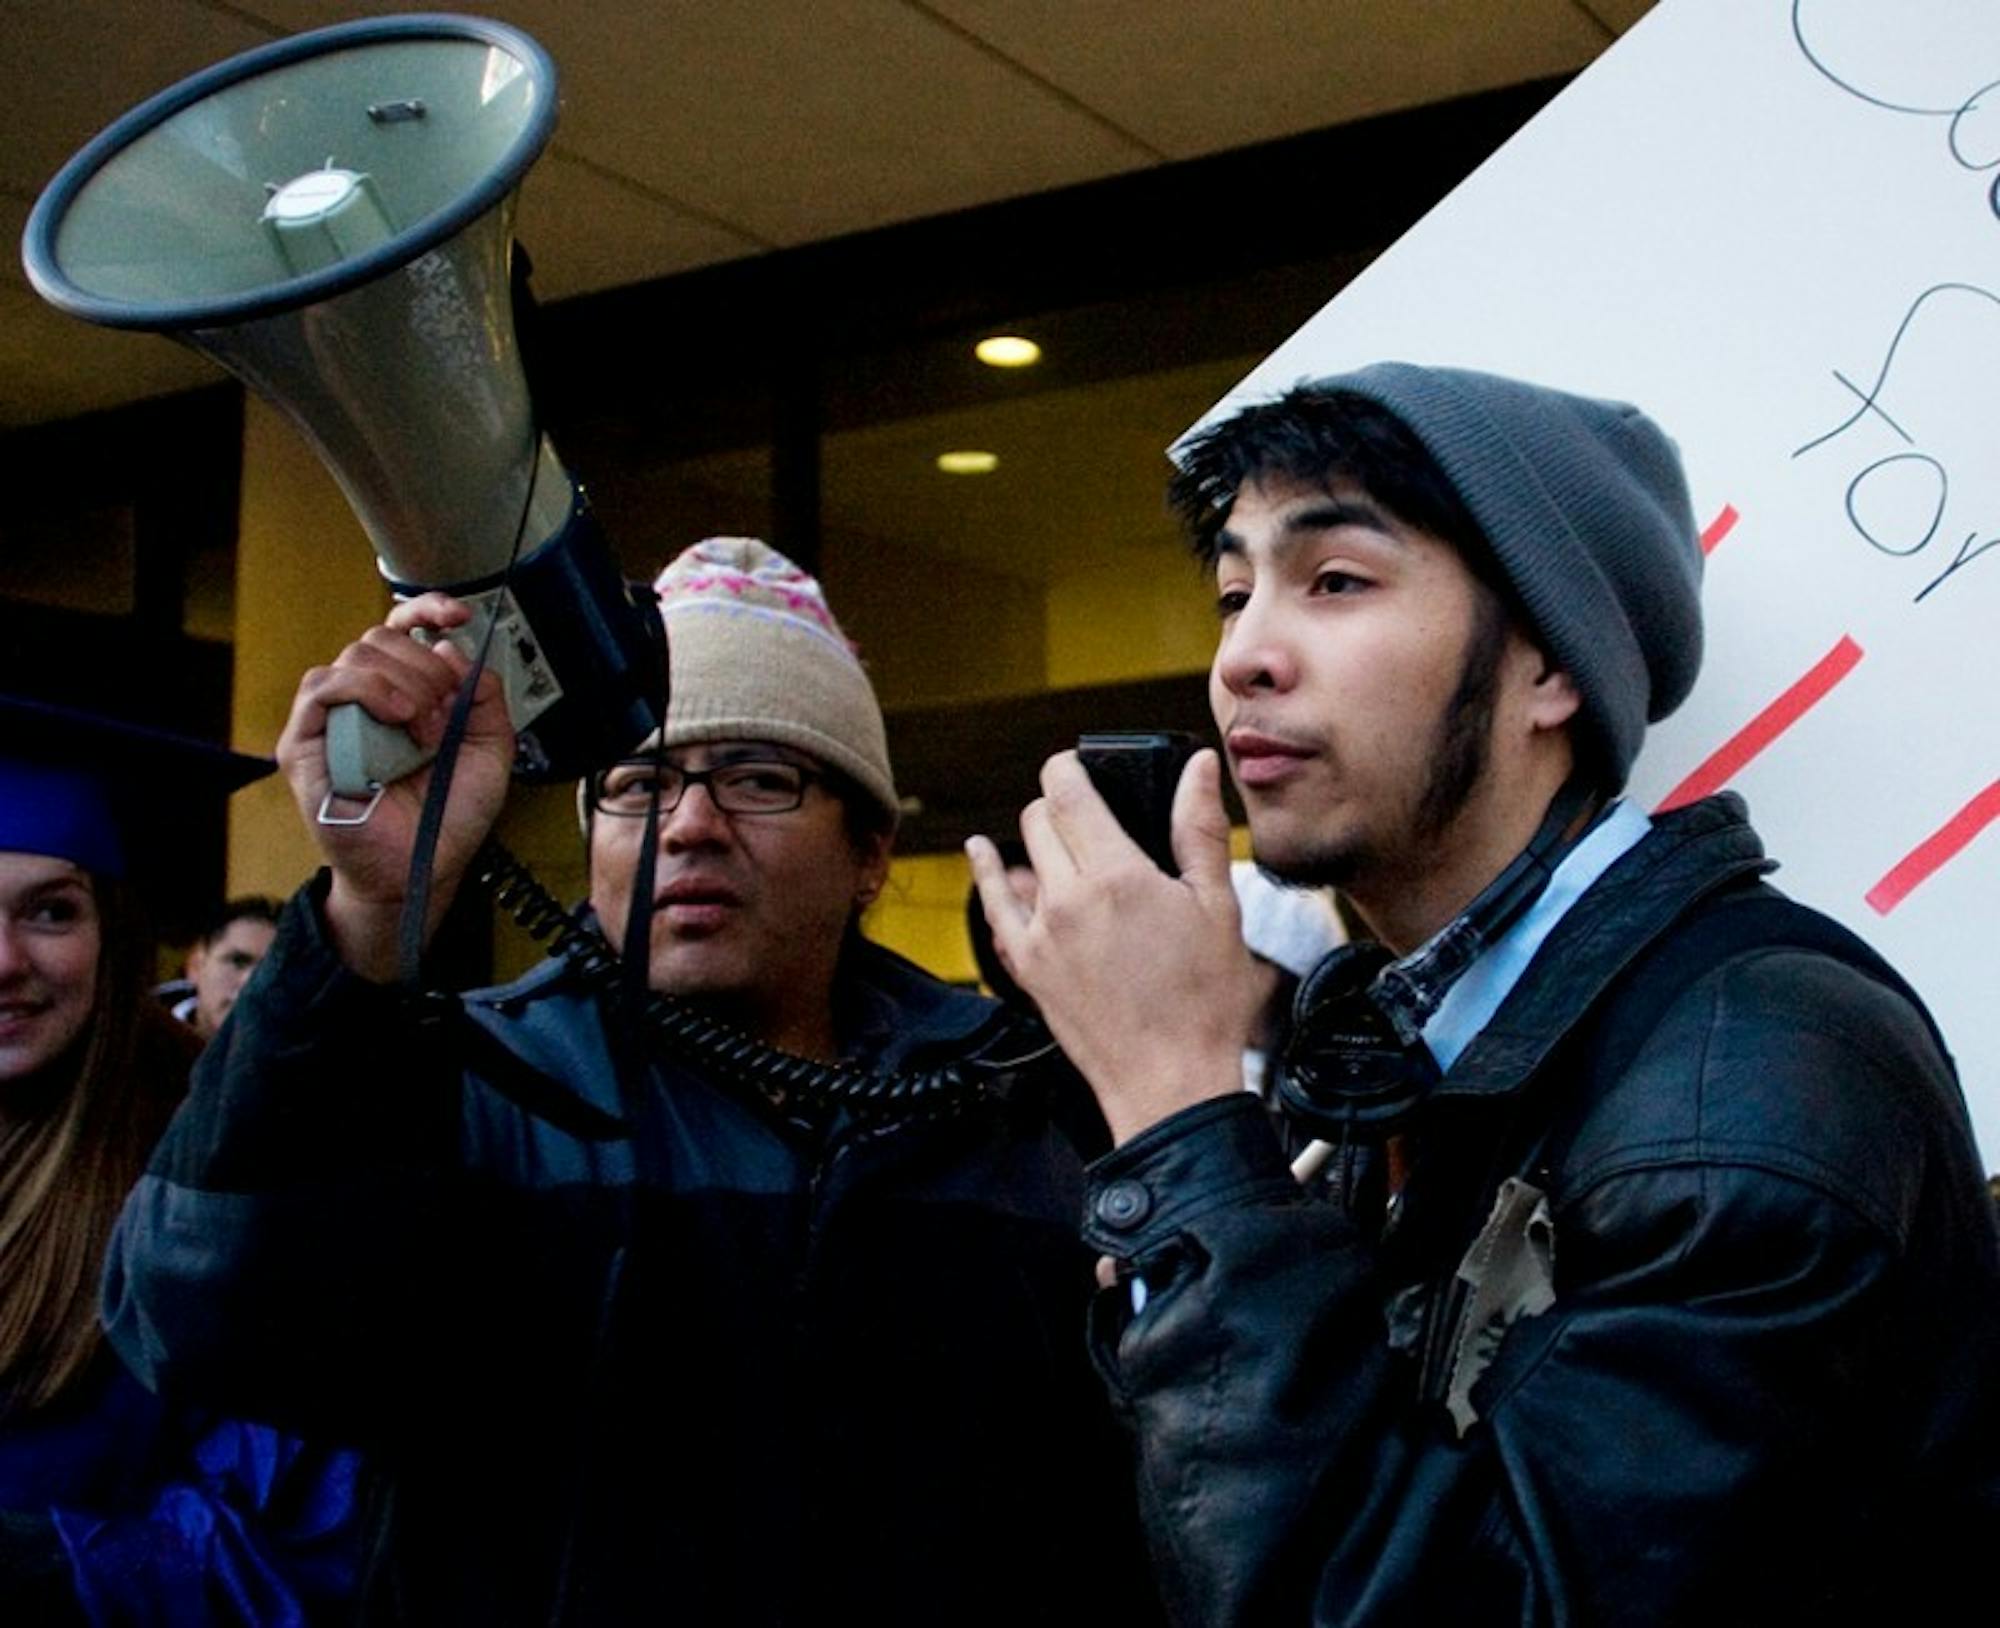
[[1323, 514]]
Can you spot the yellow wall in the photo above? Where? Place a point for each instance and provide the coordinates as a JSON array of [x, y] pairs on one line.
[[921, 914], [1119, 622], [305, 584]]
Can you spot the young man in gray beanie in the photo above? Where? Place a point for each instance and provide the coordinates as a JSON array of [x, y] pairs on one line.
[[643, 1335], [1654, 1282]]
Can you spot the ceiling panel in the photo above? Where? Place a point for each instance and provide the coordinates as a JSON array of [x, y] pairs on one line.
[[853, 114], [793, 122], [68, 70], [696, 131], [1200, 76], [1617, 15], [588, 229]]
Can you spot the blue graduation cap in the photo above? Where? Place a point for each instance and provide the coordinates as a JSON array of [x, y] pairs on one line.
[[119, 799]]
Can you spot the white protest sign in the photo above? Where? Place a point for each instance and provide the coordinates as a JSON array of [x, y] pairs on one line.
[[1775, 225]]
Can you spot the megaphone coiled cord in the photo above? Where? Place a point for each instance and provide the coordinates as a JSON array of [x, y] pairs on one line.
[[724, 1052]]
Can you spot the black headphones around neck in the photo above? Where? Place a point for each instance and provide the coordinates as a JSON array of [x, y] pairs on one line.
[[1347, 1073]]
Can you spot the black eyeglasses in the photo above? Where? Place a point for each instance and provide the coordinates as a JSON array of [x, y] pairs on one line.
[[761, 786]]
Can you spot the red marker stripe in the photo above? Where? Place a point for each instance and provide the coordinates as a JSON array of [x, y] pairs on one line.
[[1935, 850], [1726, 761], [1718, 528]]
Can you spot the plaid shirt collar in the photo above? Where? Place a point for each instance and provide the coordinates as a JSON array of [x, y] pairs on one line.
[[1409, 991]]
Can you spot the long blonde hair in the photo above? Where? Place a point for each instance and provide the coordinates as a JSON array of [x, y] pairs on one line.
[[75, 1141]]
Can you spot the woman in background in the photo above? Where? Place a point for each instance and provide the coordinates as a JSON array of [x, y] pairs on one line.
[[114, 1506]]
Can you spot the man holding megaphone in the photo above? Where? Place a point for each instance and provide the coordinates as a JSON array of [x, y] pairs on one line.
[[646, 1317], [678, 1349]]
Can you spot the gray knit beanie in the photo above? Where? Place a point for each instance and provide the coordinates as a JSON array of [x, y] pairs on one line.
[[755, 654], [1586, 509]]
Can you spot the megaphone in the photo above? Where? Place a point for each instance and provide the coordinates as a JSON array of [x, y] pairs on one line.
[[330, 217]]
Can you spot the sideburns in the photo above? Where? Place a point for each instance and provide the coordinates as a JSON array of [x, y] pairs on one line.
[[1465, 727]]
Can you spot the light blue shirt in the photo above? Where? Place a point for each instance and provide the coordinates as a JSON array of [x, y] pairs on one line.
[[1469, 1005]]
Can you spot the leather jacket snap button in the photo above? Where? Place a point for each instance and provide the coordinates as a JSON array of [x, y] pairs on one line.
[[1122, 1205]]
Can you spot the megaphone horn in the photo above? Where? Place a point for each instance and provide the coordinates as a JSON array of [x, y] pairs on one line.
[[330, 217]]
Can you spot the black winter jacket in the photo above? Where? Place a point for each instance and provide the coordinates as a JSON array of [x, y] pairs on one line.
[[1763, 1390], [837, 1375]]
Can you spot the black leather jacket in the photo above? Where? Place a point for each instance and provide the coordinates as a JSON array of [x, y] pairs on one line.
[[807, 1372], [1762, 1391]]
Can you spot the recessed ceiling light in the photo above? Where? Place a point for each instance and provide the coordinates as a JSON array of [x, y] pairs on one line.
[[968, 463], [1008, 350]]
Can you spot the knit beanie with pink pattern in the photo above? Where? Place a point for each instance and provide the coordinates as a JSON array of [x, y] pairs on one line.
[[755, 654]]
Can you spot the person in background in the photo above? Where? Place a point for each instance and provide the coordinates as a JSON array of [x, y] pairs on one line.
[[640, 1336], [222, 959], [116, 1507]]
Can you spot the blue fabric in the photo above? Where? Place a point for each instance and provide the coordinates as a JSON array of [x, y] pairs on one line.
[[753, 1391], [64, 813], [1471, 1002], [181, 1520]]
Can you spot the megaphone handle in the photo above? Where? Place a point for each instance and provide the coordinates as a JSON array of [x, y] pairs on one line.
[[364, 754]]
